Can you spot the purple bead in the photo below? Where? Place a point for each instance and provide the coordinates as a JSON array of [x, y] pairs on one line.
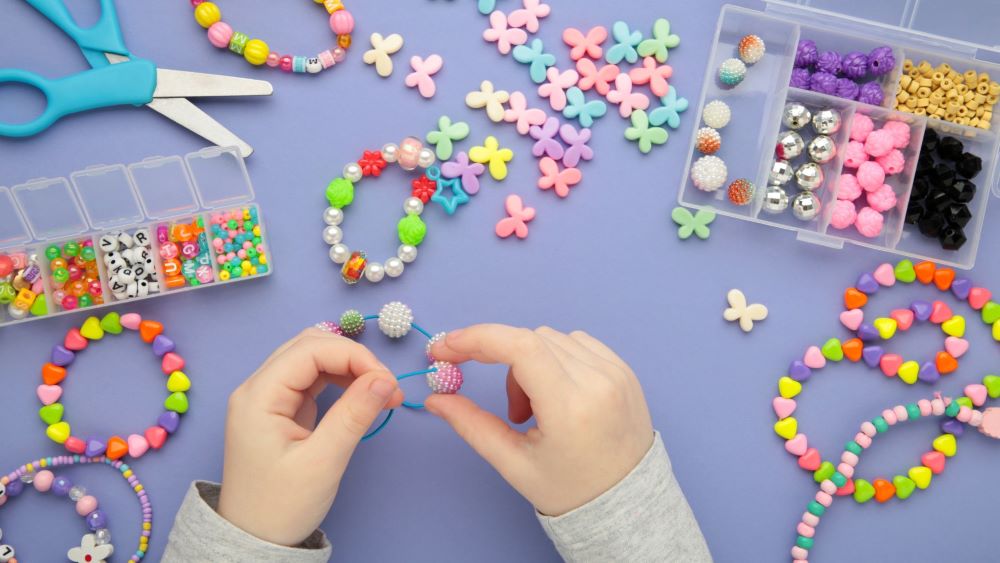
[[823, 82], [800, 78], [169, 421], [806, 53], [952, 426], [94, 447], [961, 287], [828, 61], [929, 373], [97, 520], [881, 61], [847, 89], [922, 310], [61, 486], [799, 371], [872, 355], [867, 333], [14, 488], [61, 356], [162, 345], [871, 93], [867, 284], [854, 65]]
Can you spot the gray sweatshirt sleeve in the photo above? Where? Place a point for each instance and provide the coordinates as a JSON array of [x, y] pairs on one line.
[[201, 535], [645, 517]]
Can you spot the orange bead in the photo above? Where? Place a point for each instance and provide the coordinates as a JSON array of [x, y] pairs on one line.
[[149, 330], [117, 448], [853, 349], [53, 374], [180, 233], [344, 41], [76, 288], [884, 490], [946, 363], [57, 263], [925, 271], [854, 299], [173, 282], [171, 267], [943, 278]]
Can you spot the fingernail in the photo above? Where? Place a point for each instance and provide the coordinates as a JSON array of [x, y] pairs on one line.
[[381, 388], [454, 335]]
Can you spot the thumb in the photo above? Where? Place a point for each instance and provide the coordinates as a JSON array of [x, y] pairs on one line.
[[497, 443], [347, 421]]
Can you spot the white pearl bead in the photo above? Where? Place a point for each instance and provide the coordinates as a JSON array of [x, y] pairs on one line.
[[333, 216], [413, 206], [394, 267], [406, 253], [353, 172], [374, 272], [339, 253], [425, 157], [390, 152], [332, 235]]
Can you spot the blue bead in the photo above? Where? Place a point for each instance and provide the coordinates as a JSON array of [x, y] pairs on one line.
[[298, 64]]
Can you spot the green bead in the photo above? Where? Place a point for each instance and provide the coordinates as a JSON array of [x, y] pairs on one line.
[[838, 479], [826, 469], [352, 323], [854, 447], [71, 248], [61, 275], [904, 486], [816, 508], [832, 350], [340, 193], [880, 424], [904, 272], [52, 252], [51, 414], [238, 42], [176, 402], [913, 411], [7, 293], [88, 253], [40, 307], [952, 409], [201, 222], [112, 323], [964, 402], [863, 491], [992, 384], [411, 229], [84, 300], [232, 224], [991, 312], [804, 542]]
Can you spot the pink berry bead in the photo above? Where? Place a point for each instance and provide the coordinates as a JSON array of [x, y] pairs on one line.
[[341, 22], [869, 222], [893, 162], [43, 481], [447, 379], [882, 199], [854, 154], [900, 133], [219, 34], [86, 505], [843, 214], [861, 127], [848, 188], [879, 143], [871, 176]]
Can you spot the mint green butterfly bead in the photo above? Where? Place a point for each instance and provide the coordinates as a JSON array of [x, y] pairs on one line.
[[660, 44], [536, 58], [577, 107], [447, 133], [692, 224], [643, 134], [625, 45], [669, 111]]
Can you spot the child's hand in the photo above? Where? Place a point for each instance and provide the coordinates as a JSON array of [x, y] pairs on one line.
[[282, 468], [593, 426]]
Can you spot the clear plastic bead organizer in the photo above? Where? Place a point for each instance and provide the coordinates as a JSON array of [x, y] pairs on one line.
[[914, 29], [176, 197]]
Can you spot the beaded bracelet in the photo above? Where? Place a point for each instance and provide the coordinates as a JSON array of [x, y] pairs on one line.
[[95, 547], [76, 340], [395, 320], [257, 52]]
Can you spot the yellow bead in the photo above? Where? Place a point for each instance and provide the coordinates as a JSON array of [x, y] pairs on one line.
[[786, 427], [909, 371], [224, 275], [207, 14], [256, 52], [58, 432], [954, 326], [256, 231], [945, 443], [262, 258], [788, 387], [921, 476], [886, 327], [127, 474]]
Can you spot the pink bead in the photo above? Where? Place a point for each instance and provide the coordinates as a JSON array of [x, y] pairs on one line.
[[892, 163], [824, 499], [447, 379], [69, 302], [925, 407], [900, 133], [805, 530], [59, 295], [882, 199], [869, 222], [75, 272], [221, 259], [285, 63], [854, 154], [901, 413], [273, 59], [868, 429], [242, 254], [850, 458], [38, 286], [871, 176], [204, 274], [843, 214], [86, 505], [43, 481], [3, 500], [326, 59], [194, 3], [889, 416], [846, 469], [811, 519], [964, 414], [409, 149], [828, 486], [800, 561], [799, 553], [863, 440], [219, 34], [848, 188], [341, 22], [861, 127], [937, 407], [977, 419], [879, 143], [339, 54]]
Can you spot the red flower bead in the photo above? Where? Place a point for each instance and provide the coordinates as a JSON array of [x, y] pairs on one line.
[[424, 188], [372, 163]]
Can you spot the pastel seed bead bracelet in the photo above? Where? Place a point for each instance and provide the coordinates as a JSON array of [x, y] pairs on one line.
[[96, 546], [77, 340], [257, 52]]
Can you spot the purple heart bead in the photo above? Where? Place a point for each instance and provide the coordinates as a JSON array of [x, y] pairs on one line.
[[799, 371], [922, 310], [94, 447], [162, 345], [169, 421], [929, 373], [952, 426], [872, 355], [867, 284], [961, 288], [61, 356], [867, 333]]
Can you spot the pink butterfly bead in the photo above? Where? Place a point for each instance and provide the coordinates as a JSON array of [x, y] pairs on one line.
[[585, 45], [554, 178], [518, 218], [555, 88], [528, 16], [598, 79], [627, 100], [653, 74], [423, 70], [520, 114], [505, 37]]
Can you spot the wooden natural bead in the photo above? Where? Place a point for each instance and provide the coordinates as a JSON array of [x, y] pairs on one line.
[[920, 111], [923, 92], [925, 82], [944, 68], [907, 64], [902, 96], [925, 68], [904, 81], [972, 105], [994, 89], [971, 77], [961, 89], [937, 97], [980, 98], [911, 103], [923, 102]]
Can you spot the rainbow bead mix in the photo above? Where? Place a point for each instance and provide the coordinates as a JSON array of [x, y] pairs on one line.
[[116, 447], [94, 547], [257, 52]]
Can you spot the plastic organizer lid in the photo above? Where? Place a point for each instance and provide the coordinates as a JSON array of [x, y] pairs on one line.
[[50, 208], [107, 196], [163, 186], [220, 176], [13, 231]]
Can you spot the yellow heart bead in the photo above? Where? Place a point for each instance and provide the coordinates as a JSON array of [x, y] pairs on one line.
[[58, 432], [908, 372], [788, 387], [178, 382], [921, 476], [954, 326], [996, 331], [91, 329], [786, 427], [945, 444], [886, 327]]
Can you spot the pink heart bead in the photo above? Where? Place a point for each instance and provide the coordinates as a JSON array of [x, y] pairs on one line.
[[903, 318], [852, 319], [890, 364], [137, 446], [979, 297], [131, 321], [156, 436], [783, 407], [172, 362], [976, 392], [797, 445], [940, 312], [814, 358], [885, 275], [49, 394], [957, 347]]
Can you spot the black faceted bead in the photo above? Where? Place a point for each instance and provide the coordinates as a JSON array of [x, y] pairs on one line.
[[958, 215], [969, 165], [952, 237], [944, 175], [950, 148], [925, 165], [921, 187], [931, 224], [962, 191], [937, 202], [930, 141], [914, 212]]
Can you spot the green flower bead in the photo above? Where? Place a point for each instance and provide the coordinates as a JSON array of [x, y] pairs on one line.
[[340, 193], [412, 230]]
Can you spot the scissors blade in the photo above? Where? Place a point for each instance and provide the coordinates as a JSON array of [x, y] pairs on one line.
[[186, 114], [184, 84]]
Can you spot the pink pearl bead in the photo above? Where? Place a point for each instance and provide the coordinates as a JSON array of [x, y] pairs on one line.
[[811, 519], [937, 407], [86, 505], [828, 486], [901, 413], [846, 469], [925, 407], [273, 59], [409, 149], [868, 429], [824, 499], [43, 481], [849, 458], [799, 553], [286, 63], [889, 416], [341, 22], [964, 414], [805, 530], [863, 440], [219, 34], [339, 54]]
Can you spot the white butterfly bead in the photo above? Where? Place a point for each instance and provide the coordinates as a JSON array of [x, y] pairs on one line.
[[739, 310]]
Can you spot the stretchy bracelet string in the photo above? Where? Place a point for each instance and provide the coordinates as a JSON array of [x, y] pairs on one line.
[[257, 52], [395, 320], [77, 340], [95, 547]]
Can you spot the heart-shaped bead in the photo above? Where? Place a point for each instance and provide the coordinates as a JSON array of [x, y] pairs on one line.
[[783, 407], [863, 491], [852, 319], [996, 331], [178, 403], [95, 447], [872, 355], [925, 271], [904, 272], [824, 472], [162, 345], [169, 421], [178, 382], [810, 461], [854, 299], [75, 445], [884, 490], [921, 476], [832, 350], [954, 326], [131, 321], [786, 427], [62, 356], [952, 426], [903, 318], [49, 394], [867, 284], [977, 392], [156, 436], [991, 312], [886, 327], [797, 445], [933, 461], [929, 373], [940, 312], [117, 448], [867, 332], [853, 349], [943, 278], [148, 330], [979, 297], [904, 486], [885, 275], [922, 310], [814, 358], [957, 347], [799, 371], [112, 323], [58, 432], [91, 329], [847, 489], [137, 446], [945, 363], [172, 362], [51, 414], [992, 384], [946, 444], [74, 340], [53, 374], [908, 372], [890, 364], [40, 307], [961, 288]]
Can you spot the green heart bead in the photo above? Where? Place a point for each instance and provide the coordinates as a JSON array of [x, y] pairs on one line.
[[863, 491], [825, 471], [905, 273], [992, 384], [991, 312], [51, 414], [176, 402], [832, 350], [904, 486], [112, 323], [964, 402], [40, 307]]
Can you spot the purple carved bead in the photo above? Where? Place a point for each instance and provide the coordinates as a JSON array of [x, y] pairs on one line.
[[14, 488], [881, 61], [871, 93], [61, 486], [806, 53], [847, 89], [823, 82], [97, 520], [800, 78], [854, 65], [828, 61]]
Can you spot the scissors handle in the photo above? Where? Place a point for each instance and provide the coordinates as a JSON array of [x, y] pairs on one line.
[[128, 83], [105, 36]]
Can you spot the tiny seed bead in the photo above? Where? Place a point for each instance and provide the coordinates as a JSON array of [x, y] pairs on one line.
[[913, 411], [880, 424], [854, 448]]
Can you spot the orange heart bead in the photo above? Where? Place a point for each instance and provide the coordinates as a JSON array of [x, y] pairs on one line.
[[853, 349], [884, 490], [854, 299], [117, 448], [946, 363], [148, 330], [925, 271], [943, 278], [53, 374]]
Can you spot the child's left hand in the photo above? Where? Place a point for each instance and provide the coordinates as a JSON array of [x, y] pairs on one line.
[[282, 468]]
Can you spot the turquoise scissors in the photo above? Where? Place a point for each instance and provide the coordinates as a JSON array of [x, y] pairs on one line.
[[118, 78]]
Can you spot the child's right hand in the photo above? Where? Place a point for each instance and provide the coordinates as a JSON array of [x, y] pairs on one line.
[[593, 425]]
